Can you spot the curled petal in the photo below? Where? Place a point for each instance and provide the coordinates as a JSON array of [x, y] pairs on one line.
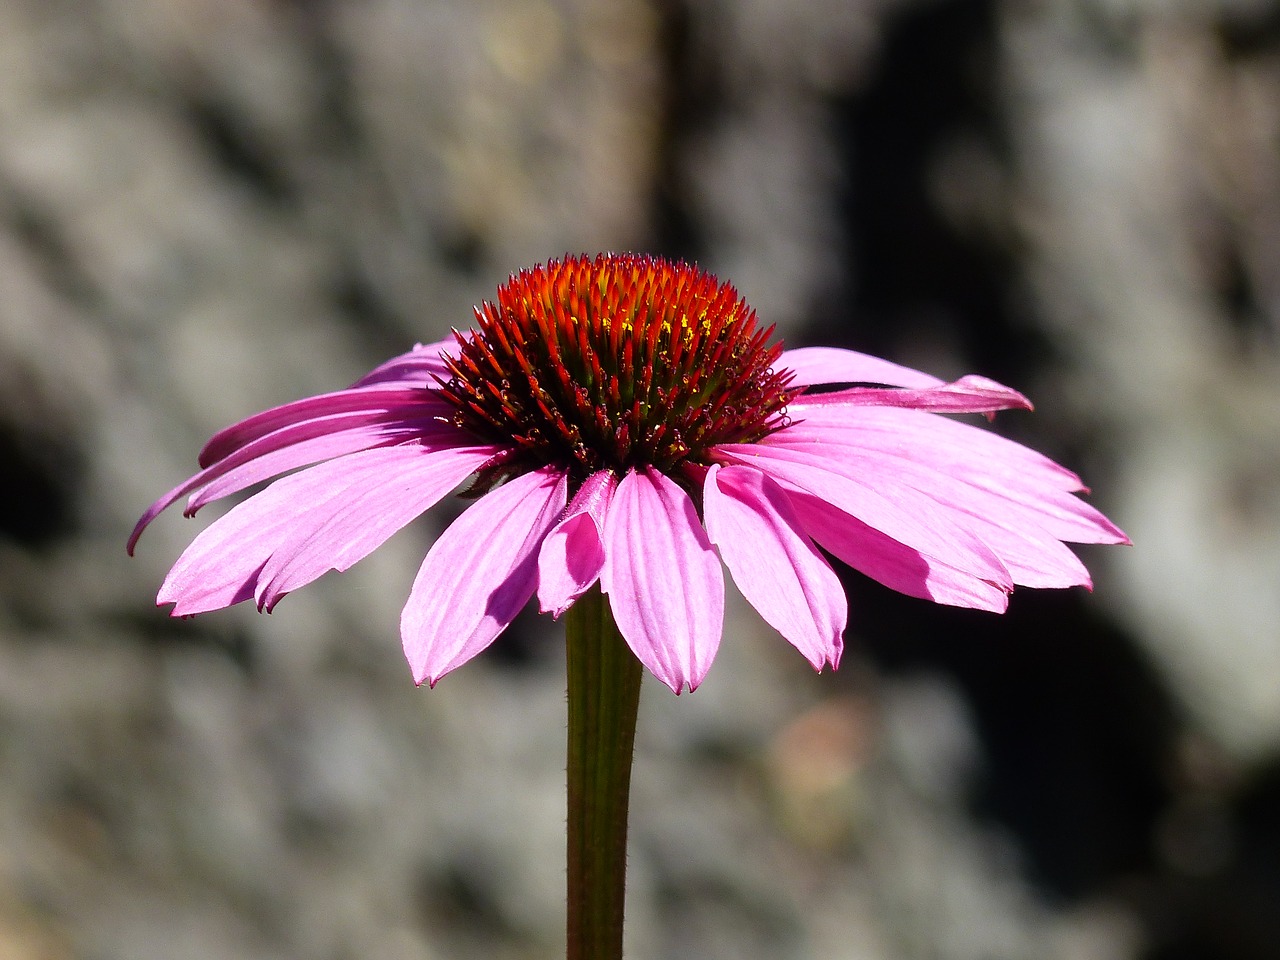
[[388, 400], [297, 445], [813, 366], [306, 452], [479, 574], [971, 394], [663, 579], [572, 554], [774, 563], [421, 366]]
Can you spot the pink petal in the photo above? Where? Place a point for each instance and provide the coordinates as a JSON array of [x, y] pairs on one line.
[[421, 366], [971, 394], [315, 450], [1034, 557], [986, 483], [898, 510], [296, 445], [382, 498], [572, 554], [1034, 561], [1021, 536], [774, 563], [222, 565], [819, 365], [479, 574], [953, 445], [387, 400], [891, 562], [663, 579]]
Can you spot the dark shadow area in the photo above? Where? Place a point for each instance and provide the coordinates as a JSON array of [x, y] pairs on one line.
[[691, 97], [1077, 732], [40, 480], [914, 275], [1080, 736], [1230, 912]]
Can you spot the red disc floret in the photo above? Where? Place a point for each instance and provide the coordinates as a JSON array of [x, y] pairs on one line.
[[614, 362]]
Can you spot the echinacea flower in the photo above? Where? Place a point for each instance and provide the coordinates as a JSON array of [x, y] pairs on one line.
[[625, 421]]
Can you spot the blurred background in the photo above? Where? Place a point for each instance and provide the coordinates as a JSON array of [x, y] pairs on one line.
[[211, 206]]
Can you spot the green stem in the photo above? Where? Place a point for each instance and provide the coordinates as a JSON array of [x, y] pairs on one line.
[[604, 697]]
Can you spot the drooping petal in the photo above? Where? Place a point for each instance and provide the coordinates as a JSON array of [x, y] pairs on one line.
[[1026, 536], [419, 367], [952, 445], [774, 563], [299, 444], [891, 562], [572, 554], [1002, 483], [898, 510], [813, 366], [663, 579], [1033, 557], [382, 498], [219, 482], [971, 394], [479, 574], [222, 565], [387, 400], [1034, 560], [1021, 536]]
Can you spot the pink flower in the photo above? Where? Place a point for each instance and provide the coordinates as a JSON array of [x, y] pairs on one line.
[[625, 422]]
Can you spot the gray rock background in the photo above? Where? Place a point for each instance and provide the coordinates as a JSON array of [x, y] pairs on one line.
[[211, 206]]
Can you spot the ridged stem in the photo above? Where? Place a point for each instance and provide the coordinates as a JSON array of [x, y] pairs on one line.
[[604, 697]]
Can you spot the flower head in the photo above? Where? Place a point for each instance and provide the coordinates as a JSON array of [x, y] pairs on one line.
[[625, 421]]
